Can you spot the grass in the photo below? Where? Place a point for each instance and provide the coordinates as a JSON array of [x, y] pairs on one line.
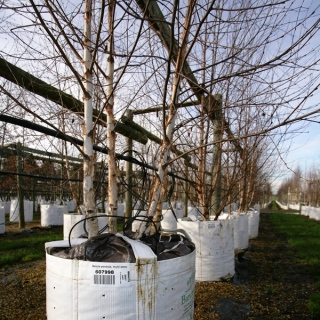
[[270, 290], [304, 235], [274, 206], [314, 305], [27, 247]]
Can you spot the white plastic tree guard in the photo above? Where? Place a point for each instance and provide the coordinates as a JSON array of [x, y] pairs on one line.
[[214, 248], [305, 210], [64, 208], [253, 224], [223, 216], [314, 213], [69, 220], [257, 207], [165, 206], [169, 221], [144, 290], [179, 205], [71, 205], [14, 211], [194, 212], [179, 213], [179, 209], [52, 215], [294, 207], [7, 206], [234, 206], [311, 212], [102, 223], [120, 210], [2, 220], [241, 232]]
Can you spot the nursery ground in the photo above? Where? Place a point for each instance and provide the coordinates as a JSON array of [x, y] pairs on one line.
[[269, 283]]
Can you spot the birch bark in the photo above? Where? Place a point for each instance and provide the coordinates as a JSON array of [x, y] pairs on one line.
[[111, 134], [88, 159]]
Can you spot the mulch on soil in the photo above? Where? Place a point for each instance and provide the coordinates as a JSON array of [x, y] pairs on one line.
[[270, 283]]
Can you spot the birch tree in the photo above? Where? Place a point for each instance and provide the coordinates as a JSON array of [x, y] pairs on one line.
[[259, 56]]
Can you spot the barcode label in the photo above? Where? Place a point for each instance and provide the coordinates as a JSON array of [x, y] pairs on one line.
[[110, 274], [104, 279]]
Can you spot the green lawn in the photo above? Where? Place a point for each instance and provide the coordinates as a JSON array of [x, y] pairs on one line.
[[26, 247], [304, 235]]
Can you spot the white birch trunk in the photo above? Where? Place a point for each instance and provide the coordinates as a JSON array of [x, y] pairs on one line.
[[88, 160], [111, 134]]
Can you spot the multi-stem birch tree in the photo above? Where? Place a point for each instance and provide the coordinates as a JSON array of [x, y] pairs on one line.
[[168, 120], [259, 56]]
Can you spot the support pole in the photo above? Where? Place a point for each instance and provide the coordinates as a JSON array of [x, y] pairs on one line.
[[34, 196], [185, 199], [79, 188], [61, 185], [129, 141], [103, 190], [20, 189], [29, 82], [216, 152]]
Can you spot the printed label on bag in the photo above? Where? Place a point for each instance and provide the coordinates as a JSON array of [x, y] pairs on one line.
[[211, 225], [110, 274], [187, 298]]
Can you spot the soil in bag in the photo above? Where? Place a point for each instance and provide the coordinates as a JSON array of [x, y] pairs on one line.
[[107, 247], [169, 247]]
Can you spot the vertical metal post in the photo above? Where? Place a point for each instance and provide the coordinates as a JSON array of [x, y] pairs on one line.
[[128, 208], [216, 161], [20, 189], [61, 184], [34, 196], [103, 189], [185, 183], [79, 186]]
